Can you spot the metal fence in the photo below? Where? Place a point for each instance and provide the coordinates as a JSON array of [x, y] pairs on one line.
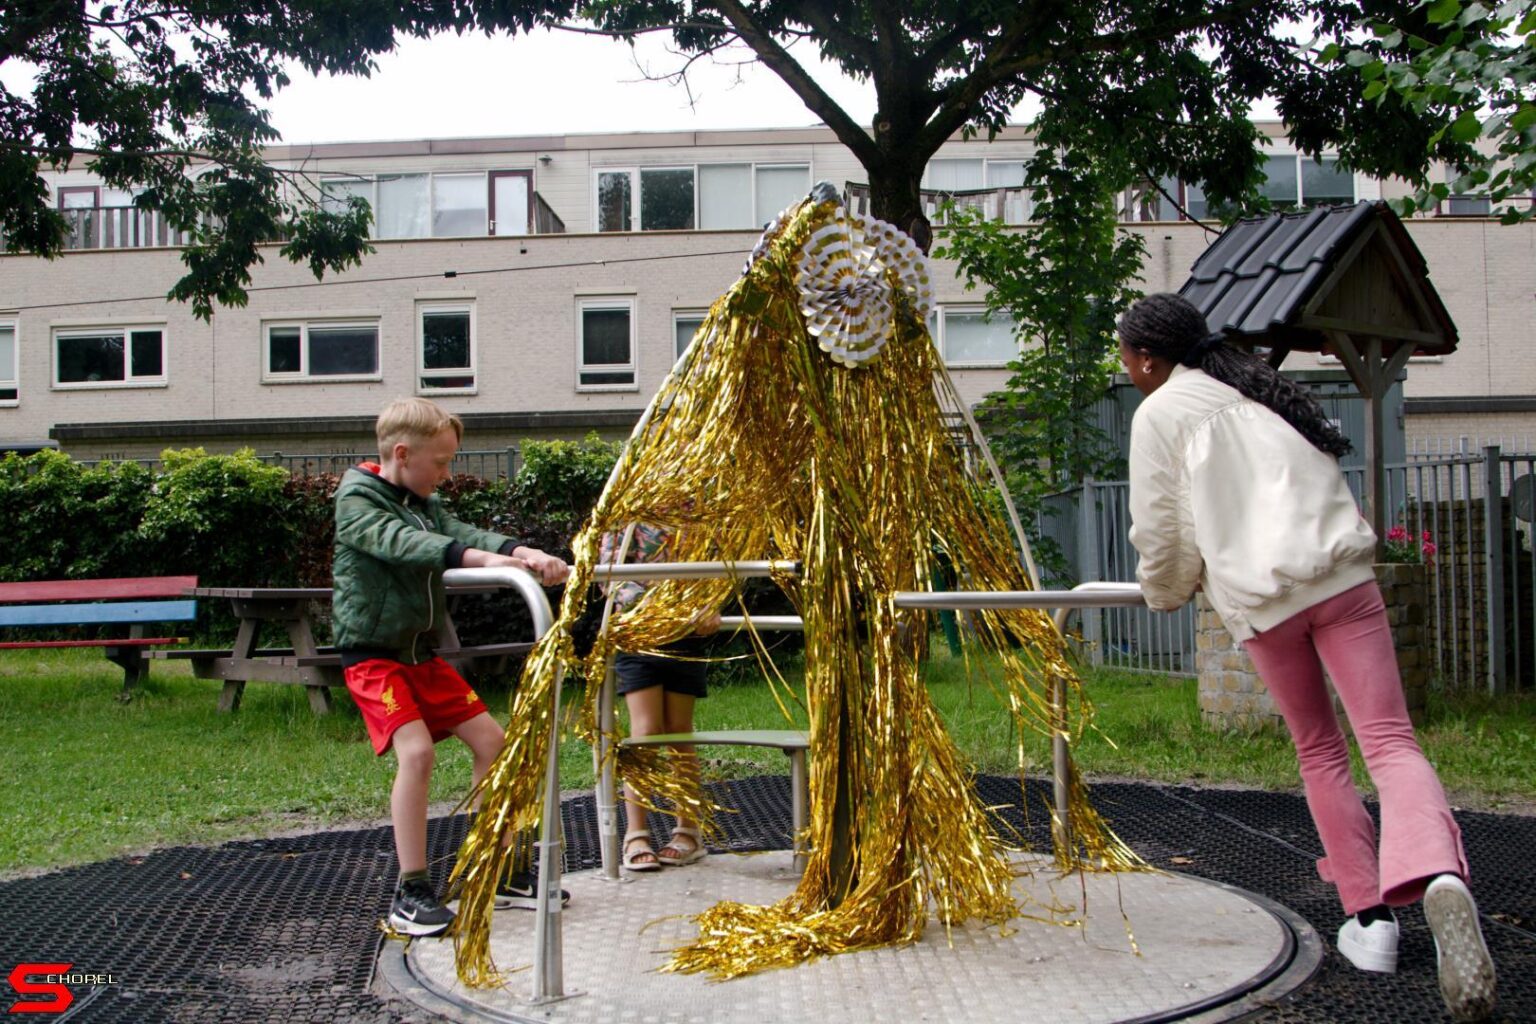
[[1475, 509], [488, 464]]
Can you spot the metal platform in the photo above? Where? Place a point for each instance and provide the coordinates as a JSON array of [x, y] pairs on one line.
[[1207, 953]]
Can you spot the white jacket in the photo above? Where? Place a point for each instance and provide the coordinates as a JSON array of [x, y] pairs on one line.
[[1226, 494]]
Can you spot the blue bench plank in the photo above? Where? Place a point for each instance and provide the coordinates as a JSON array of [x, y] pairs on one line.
[[97, 614]]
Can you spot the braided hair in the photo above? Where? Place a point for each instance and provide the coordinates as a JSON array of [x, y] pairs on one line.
[[1170, 327]]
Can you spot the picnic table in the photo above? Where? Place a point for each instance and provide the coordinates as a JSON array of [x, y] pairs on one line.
[[304, 663]]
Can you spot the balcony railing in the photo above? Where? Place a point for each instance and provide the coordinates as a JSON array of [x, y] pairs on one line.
[[1009, 204], [545, 220], [128, 227], [118, 227]]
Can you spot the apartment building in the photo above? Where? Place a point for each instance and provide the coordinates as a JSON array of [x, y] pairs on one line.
[[543, 286]]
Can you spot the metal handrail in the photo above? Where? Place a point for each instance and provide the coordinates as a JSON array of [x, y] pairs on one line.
[[548, 956], [1098, 594]]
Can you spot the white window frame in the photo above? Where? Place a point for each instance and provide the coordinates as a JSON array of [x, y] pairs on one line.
[[303, 376], [940, 313], [759, 218], [636, 225], [679, 315], [604, 302], [473, 370], [1299, 200], [13, 382], [126, 329]]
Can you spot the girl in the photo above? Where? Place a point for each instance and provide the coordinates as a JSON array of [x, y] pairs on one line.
[[1236, 489]]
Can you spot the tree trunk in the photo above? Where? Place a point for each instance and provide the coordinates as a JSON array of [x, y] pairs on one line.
[[895, 197]]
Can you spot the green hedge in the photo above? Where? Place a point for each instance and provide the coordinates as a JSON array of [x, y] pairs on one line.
[[232, 520]]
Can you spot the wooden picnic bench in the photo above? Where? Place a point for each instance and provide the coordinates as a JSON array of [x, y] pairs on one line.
[[304, 663], [132, 601]]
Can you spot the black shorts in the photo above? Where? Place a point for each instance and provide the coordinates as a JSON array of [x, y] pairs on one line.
[[675, 675]]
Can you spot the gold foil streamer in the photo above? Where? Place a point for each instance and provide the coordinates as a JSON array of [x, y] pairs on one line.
[[760, 446]]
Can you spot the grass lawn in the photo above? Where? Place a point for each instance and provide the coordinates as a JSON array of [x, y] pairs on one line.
[[89, 778]]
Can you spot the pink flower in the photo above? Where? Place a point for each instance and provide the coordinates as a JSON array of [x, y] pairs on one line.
[[1398, 534]]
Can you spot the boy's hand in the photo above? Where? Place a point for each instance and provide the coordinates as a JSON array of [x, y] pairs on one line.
[[475, 558], [707, 624], [549, 569]]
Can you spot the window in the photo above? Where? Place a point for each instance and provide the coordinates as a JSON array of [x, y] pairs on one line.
[[438, 205], [458, 204], [725, 197], [8, 389], [335, 192], [685, 323], [713, 197], [779, 188], [321, 349], [614, 200], [606, 344], [1293, 180], [447, 334], [109, 356], [955, 175], [1463, 204], [402, 206], [966, 338]]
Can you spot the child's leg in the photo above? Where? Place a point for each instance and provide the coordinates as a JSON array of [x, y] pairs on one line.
[[1289, 666], [679, 716], [647, 717], [485, 738], [414, 756], [1419, 837]]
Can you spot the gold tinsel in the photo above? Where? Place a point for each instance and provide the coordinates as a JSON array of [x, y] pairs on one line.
[[760, 446]]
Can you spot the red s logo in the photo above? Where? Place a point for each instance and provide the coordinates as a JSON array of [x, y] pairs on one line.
[[59, 995]]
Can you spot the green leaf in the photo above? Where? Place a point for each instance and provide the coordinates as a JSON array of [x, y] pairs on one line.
[[1374, 89], [1358, 58], [1373, 70], [1442, 11], [1392, 40], [1329, 53], [1466, 127]]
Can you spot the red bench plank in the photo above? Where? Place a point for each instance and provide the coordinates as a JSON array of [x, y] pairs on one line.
[[137, 641], [86, 590]]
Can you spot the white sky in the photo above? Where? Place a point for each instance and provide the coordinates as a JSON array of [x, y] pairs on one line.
[[544, 83]]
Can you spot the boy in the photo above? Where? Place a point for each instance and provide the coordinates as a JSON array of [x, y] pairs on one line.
[[393, 541]]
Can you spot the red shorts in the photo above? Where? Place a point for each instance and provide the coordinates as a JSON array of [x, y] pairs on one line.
[[389, 694]]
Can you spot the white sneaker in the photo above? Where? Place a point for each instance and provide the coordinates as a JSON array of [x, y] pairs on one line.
[[1370, 947], [1466, 970]]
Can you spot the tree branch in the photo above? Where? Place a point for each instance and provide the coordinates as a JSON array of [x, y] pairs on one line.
[[786, 67], [815, 14]]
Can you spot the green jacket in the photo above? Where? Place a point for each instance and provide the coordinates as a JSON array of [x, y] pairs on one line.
[[391, 550]]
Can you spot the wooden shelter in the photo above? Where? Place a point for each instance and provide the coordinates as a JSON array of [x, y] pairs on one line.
[[1347, 281]]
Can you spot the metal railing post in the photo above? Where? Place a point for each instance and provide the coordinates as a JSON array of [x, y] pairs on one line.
[[1088, 561], [1493, 531], [548, 954]]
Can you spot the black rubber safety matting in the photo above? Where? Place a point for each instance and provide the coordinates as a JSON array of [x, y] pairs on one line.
[[287, 929]]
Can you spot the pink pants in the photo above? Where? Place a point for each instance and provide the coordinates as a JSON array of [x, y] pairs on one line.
[[1419, 838]]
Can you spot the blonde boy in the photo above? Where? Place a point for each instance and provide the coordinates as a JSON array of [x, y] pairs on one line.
[[393, 542]]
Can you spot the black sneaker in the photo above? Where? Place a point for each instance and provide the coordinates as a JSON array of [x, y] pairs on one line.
[[521, 892], [418, 911]]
